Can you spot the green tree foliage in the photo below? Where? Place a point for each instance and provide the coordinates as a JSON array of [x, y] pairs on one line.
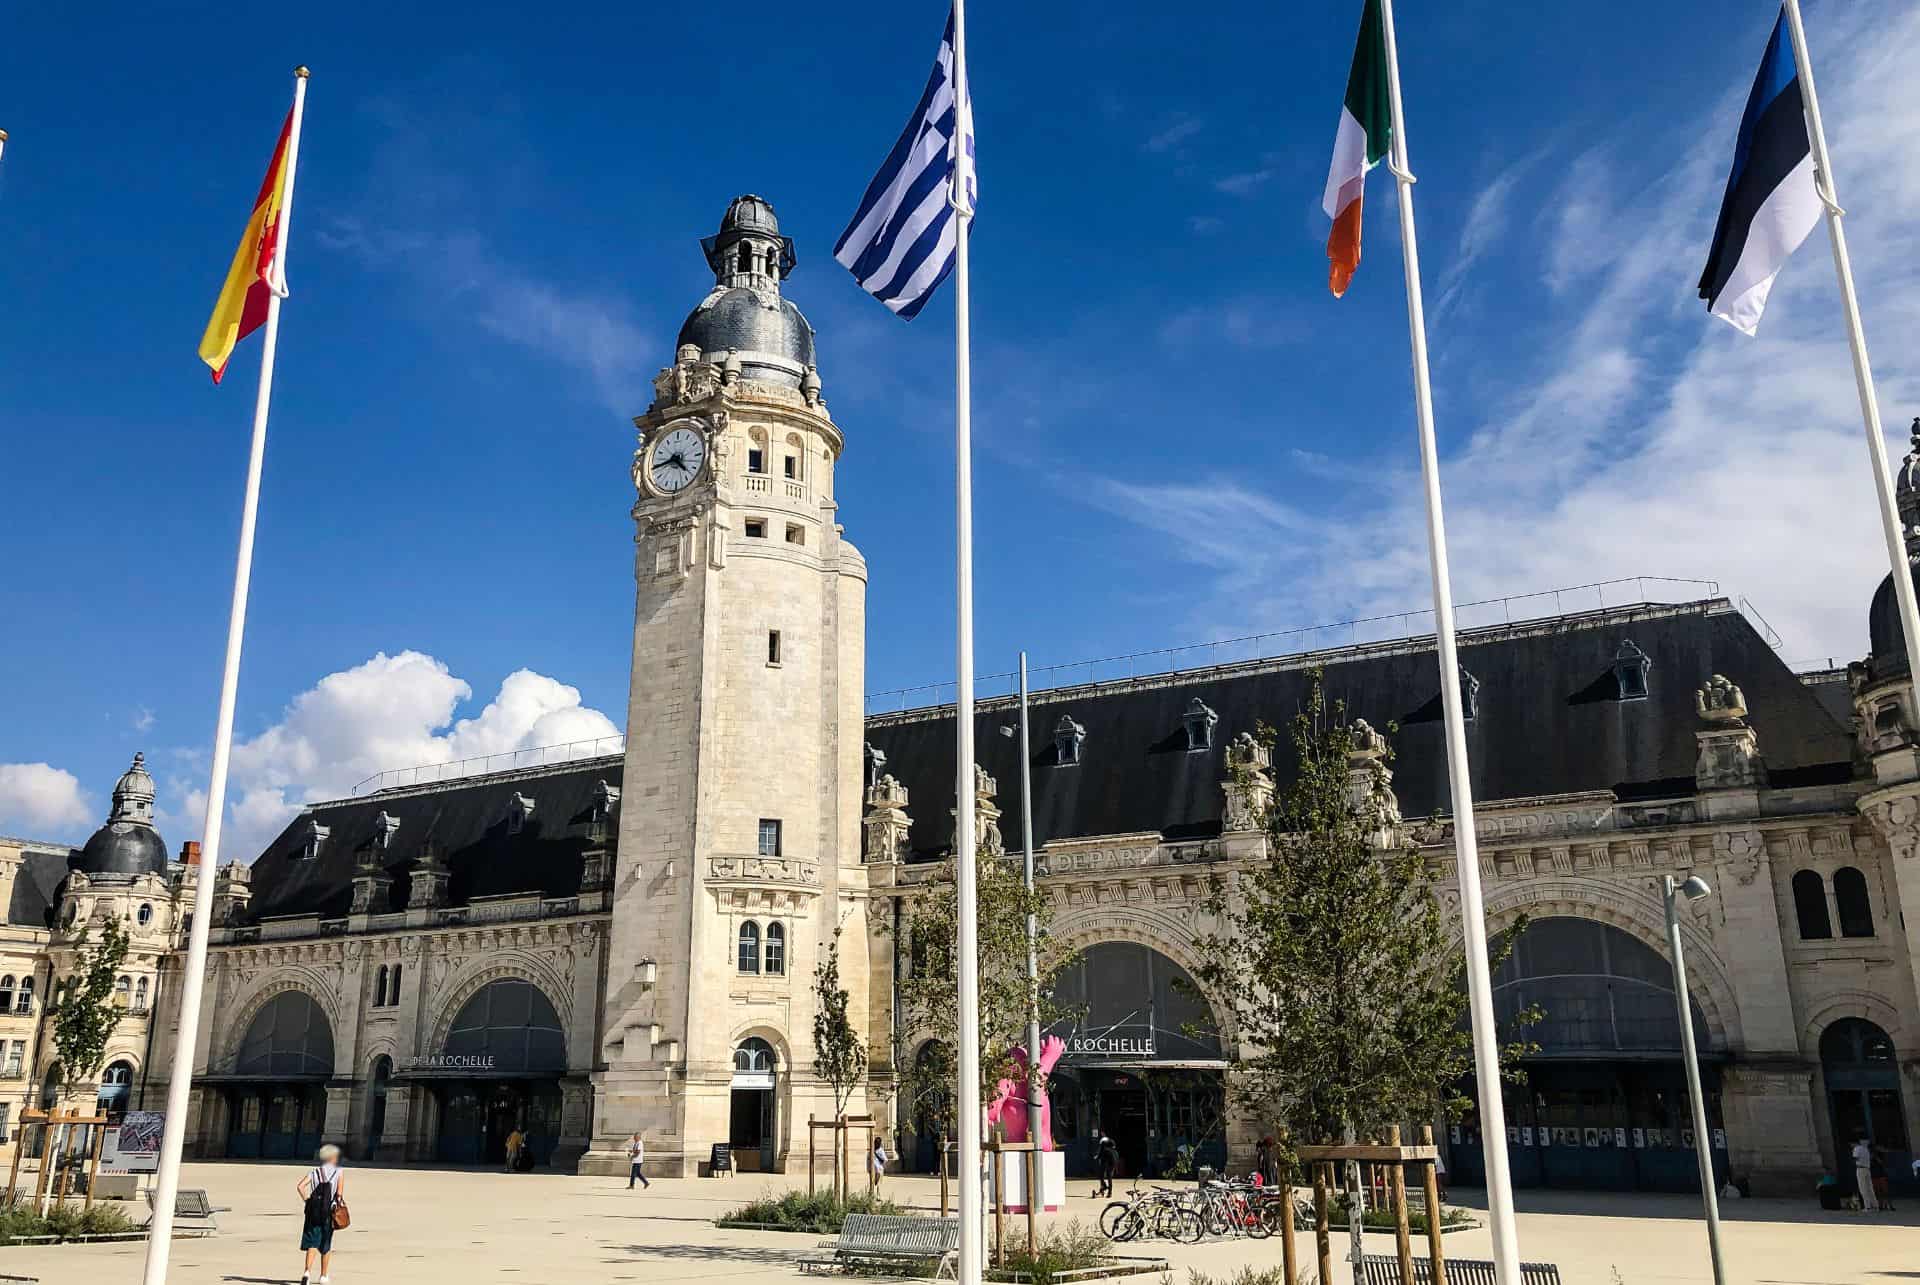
[[839, 1057], [86, 1014], [928, 992], [1334, 955]]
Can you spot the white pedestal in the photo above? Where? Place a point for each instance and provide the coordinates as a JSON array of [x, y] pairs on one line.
[[1013, 1182]]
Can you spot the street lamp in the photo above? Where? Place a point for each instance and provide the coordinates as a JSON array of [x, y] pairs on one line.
[[1694, 889]]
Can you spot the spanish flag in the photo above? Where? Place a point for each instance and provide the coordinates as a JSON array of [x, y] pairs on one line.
[[241, 308]]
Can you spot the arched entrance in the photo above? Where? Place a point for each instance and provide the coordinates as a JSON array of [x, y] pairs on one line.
[[379, 1081], [753, 1131], [1143, 1064], [1863, 1096], [1605, 1103], [278, 1100], [498, 1071], [116, 1090]]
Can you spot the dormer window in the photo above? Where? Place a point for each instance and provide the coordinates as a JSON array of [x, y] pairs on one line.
[[314, 840], [519, 808], [1067, 739], [384, 828], [605, 799], [1469, 695], [1630, 669], [1199, 722]]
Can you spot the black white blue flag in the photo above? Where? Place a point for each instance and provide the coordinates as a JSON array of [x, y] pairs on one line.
[[1771, 203], [900, 245]]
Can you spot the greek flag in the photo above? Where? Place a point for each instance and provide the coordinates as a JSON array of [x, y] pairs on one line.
[[900, 245]]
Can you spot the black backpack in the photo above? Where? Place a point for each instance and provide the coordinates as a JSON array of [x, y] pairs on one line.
[[319, 1202]]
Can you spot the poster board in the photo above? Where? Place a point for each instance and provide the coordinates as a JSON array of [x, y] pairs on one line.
[[133, 1146]]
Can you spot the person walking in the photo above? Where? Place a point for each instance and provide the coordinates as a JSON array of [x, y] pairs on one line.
[[1109, 1162], [516, 1142], [1877, 1167], [1863, 1171], [323, 1198], [877, 1162], [636, 1160]]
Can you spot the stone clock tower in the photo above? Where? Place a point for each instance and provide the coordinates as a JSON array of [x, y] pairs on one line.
[[739, 832]]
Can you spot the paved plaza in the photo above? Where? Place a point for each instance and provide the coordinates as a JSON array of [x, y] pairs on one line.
[[421, 1227]]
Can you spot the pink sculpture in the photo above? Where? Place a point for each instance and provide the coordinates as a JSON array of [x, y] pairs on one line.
[[1009, 1106]]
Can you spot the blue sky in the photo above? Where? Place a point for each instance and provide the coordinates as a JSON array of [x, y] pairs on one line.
[[1181, 436]]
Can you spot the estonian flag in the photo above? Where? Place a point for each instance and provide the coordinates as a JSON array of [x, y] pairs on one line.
[[1771, 203]]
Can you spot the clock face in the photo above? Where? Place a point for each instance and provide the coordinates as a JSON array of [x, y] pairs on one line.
[[676, 459]]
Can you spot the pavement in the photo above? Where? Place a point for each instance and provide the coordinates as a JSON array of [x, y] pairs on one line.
[[439, 1227]]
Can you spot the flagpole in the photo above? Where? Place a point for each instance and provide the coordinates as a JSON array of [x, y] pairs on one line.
[[966, 946], [1486, 1050], [1857, 341], [180, 1080]]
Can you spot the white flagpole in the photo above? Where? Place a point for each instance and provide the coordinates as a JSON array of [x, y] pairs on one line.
[[1473, 912], [1857, 340], [967, 965], [180, 1080]]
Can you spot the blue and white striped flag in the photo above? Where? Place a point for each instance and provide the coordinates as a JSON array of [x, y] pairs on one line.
[[900, 245]]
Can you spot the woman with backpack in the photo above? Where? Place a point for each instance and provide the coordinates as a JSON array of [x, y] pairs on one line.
[[323, 1196]]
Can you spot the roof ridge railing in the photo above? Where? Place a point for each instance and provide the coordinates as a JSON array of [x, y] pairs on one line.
[[894, 700], [483, 764]]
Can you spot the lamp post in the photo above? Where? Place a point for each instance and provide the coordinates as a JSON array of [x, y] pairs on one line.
[[1694, 889]]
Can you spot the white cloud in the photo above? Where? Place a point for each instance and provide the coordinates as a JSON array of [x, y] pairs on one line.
[[40, 801], [1639, 436], [1242, 183], [1179, 131], [389, 712]]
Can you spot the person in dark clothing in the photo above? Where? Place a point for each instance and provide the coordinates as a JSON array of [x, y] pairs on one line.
[[320, 1189], [1109, 1161]]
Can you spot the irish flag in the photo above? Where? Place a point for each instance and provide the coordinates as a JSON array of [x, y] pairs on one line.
[[1366, 129], [241, 308]]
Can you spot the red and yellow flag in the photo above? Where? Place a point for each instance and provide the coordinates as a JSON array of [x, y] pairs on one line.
[[241, 308]]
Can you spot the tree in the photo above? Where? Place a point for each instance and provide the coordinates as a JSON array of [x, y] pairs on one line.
[[1334, 955], [930, 935], [86, 1013], [839, 1057]]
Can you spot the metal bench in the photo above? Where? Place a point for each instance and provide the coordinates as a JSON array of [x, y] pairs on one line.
[[1384, 1269], [883, 1239], [192, 1208]]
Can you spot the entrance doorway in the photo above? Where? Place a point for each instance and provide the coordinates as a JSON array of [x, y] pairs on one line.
[[752, 1131], [477, 1117], [1863, 1097], [378, 1085]]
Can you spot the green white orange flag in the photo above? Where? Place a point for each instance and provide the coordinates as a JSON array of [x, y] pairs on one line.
[[1366, 132], [253, 276]]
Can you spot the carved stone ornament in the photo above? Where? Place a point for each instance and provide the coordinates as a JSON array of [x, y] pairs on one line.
[[1720, 701]]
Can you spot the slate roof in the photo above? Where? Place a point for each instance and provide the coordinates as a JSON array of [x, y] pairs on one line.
[[467, 820], [36, 889], [1549, 721]]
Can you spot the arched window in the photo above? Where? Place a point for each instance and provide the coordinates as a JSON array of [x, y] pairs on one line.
[[6, 993], [749, 947], [393, 985], [25, 1003], [140, 996], [776, 948], [753, 1057], [380, 987], [123, 990], [1856, 910], [288, 1037], [509, 1026], [1810, 906]]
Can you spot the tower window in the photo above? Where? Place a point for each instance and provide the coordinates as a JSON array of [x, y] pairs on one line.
[[756, 460], [1856, 910], [776, 956], [746, 257], [142, 916], [1810, 906], [140, 996], [380, 987], [796, 534], [756, 528], [791, 465], [25, 1003], [773, 646], [749, 947], [769, 837], [393, 986]]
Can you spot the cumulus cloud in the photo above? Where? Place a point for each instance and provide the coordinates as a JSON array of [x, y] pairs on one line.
[[40, 801], [390, 712]]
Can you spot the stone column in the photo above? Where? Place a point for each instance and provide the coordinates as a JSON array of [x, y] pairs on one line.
[[1755, 955], [339, 1111], [1767, 1108], [1895, 814], [392, 1143], [576, 1122]]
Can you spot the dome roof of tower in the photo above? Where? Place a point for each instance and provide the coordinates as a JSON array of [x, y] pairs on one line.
[[123, 848], [1888, 658], [748, 320]]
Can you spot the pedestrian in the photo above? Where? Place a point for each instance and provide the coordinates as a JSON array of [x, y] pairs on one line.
[[878, 1162], [1440, 1175], [1863, 1171], [1262, 1161], [516, 1142], [1109, 1161], [636, 1161], [323, 1198], [1877, 1167]]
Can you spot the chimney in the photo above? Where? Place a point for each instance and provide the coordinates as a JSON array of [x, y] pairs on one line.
[[190, 852]]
